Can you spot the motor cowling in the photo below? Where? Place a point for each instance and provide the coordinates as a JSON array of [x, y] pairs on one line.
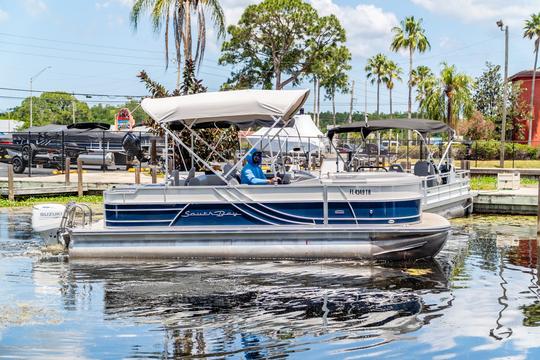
[[131, 144]]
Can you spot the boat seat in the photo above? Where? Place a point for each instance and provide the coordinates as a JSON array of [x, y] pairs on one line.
[[207, 180], [190, 176], [226, 168], [425, 168], [396, 168]]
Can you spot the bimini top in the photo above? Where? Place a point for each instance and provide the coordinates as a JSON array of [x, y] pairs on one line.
[[242, 108], [420, 125]]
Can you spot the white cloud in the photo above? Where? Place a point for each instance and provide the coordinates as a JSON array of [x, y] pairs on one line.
[[369, 28], [3, 16], [35, 7], [512, 12]]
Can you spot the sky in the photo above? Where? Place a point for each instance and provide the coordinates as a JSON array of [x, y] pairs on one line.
[[91, 46]]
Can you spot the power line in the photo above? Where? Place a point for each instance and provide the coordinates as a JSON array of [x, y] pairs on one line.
[[73, 93]]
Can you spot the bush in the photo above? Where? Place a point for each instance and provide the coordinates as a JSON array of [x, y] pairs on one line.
[[490, 150]]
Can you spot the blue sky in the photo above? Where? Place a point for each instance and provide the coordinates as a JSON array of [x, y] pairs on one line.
[[92, 48]]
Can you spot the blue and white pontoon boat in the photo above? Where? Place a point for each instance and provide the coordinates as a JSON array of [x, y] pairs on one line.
[[446, 191], [213, 216]]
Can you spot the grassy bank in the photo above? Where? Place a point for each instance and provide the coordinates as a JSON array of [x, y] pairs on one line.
[[490, 182], [518, 164], [30, 201]]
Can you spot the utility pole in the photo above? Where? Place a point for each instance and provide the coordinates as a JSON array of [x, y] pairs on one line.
[[365, 102], [31, 100], [315, 101], [73, 108], [318, 103], [505, 92], [351, 104]]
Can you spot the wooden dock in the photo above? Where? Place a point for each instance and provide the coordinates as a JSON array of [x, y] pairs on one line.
[[511, 202]]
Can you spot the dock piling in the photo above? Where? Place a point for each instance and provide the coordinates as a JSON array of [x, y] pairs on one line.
[[79, 177], [67, 170], [153, 172], [137, 166], [11, 190]]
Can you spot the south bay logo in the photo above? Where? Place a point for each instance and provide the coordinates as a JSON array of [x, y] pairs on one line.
[[216, 213]]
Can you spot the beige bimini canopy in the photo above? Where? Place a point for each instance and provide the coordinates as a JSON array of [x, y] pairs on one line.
[[242, 108]]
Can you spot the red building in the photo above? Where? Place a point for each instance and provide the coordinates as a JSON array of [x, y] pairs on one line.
[[525, 78]]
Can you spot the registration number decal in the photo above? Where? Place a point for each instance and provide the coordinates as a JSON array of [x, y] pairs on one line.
[[358, 191]]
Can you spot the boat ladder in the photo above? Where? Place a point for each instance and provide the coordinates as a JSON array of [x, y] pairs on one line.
[[75, 215]]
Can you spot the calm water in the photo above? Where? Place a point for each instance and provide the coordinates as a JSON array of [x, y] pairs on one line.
[[479, 299]]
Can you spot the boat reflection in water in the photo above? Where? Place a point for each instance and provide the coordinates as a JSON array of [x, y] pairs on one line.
[[264, 309]]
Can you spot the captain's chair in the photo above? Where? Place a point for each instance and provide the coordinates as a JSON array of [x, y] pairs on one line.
[[425, 168]]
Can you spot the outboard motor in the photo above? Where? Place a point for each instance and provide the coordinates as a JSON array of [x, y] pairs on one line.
[[46, 220], [131, 144]]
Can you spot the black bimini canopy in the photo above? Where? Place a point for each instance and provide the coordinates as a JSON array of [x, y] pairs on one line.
[[420, 125]]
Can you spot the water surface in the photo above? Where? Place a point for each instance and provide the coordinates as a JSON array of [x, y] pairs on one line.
[[478, 299]]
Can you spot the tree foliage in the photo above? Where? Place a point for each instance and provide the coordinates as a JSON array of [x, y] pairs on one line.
[[392, 74], [489, 91], [333, 75], [447, 97], [375, 71], [279, 41], [179, 16], [476, 127], [51, 108], [410, 36]]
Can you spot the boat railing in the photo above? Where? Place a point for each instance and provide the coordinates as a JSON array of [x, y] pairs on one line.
[[75, 215], [457, 184]]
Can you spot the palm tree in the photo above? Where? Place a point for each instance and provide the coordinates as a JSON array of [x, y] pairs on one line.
[[532, 30], [411, 36], [375, 71], [177, 15], [392, 73], [457, 89], [333, 75], [419, 79]]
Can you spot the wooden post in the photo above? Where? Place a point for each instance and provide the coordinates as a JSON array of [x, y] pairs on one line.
[[79, 177], [153, 152], [137, 172], [153, 172], [11, 190], [66, 170]]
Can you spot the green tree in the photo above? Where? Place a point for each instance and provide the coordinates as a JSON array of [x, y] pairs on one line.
[[449, 96], [375, 72], [419, 79], [52, 108], [391, 75], [279, 41], [488, 92], [412, 37], [177, 15], [531, 30], [333, 75]]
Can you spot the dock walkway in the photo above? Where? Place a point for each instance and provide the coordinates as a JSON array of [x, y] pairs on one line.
[[513, 202]]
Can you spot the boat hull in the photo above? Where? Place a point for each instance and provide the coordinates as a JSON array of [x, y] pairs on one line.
[[379, 242]]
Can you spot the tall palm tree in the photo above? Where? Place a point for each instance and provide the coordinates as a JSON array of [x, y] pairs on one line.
[[457, 89], [419, 79], [375, 71], [531, 30], [392, 73], [333, 75], [176, 15], [412, 37]]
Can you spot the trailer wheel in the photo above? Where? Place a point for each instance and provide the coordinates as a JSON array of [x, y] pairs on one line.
[[26, 151], [18, 165]]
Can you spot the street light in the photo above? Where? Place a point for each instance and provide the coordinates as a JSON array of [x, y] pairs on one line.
[[31, 102], [501, 26]]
